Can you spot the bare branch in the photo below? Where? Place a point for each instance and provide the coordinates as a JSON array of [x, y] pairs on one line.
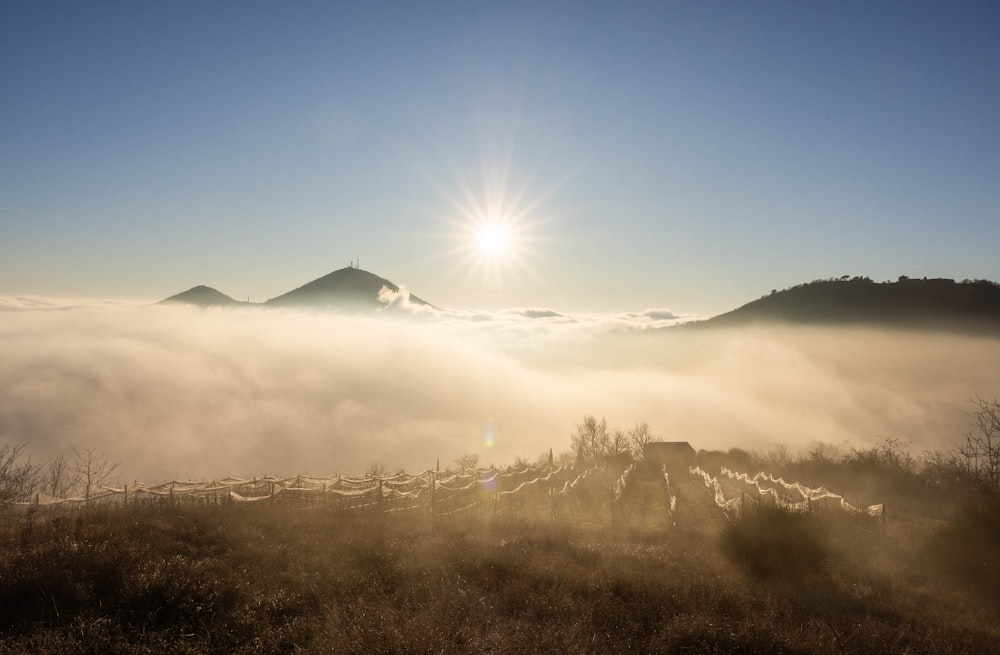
[[18, 479]]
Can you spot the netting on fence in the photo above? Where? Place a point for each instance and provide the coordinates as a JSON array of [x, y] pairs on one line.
[[541, 493], [586, 500], [810, 499], [732, 507], [671, 496], [622, 481]]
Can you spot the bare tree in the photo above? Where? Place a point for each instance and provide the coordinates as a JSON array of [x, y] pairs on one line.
[[778, 457], [638, 436], [618, 443], [564, 458], [58, 478], [981, 450], [18, 478], [94, 468], [469, 461], [591, 440]]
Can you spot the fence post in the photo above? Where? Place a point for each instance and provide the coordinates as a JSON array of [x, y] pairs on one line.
[[433, 497], [126, 496], [614, 508], [883, 519], [809, 504], [381, 498]]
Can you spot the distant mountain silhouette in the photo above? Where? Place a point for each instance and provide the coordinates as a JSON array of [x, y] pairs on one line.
[[935, 303], [203, 297], [347, 288]]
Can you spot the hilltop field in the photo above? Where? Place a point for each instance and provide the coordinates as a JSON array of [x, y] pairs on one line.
[[609, 558]]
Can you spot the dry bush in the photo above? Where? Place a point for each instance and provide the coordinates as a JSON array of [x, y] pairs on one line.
[[967, 549], [770, 543], [18, 476]]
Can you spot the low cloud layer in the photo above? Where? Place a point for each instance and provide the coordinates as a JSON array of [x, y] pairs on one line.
[[182, 392]]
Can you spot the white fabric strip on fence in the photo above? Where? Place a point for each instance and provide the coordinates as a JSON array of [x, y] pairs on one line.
[[808, 494]]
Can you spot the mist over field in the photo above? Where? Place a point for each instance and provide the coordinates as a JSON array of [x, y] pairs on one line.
[[175, 392]]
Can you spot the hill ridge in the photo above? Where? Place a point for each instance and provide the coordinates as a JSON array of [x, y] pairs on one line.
[[905, 302], [348, 287], [344, 288], [202, 296]]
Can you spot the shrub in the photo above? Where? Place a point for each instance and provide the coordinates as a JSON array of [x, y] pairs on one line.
[[18, 476], [770, 543], [968, 547]]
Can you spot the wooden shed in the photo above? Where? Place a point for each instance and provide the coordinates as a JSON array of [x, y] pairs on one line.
[[675, 455]]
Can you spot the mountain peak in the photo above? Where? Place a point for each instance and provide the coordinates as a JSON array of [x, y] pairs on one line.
[[202, 296], [345, 288]]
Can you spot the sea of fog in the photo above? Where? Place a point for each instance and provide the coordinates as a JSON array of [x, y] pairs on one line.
[[181, 392]]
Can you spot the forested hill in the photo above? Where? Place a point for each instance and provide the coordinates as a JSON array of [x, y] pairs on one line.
[[936, 303]]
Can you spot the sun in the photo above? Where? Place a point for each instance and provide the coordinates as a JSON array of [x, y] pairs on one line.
[[495, 228], [493, 239]]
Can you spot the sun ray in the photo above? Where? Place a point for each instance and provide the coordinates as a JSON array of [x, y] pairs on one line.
[[497, 223]]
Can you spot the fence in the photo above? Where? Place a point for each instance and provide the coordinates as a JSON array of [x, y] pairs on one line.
[[591, 498], [787, 496], [510, 493]]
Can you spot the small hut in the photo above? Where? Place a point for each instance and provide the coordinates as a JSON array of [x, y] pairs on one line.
[[677, 456]]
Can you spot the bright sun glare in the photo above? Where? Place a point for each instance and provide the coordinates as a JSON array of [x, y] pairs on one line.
[[493, 231], [493, 239]]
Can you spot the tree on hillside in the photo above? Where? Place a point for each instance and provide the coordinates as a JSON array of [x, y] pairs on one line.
[[93, 468], [469, 461], [591, 440], [981, 450], [638, 436], [58, 478], [17, 477], [618, 443]]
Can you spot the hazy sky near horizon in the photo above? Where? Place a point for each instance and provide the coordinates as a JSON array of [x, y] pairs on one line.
[[683, 155]]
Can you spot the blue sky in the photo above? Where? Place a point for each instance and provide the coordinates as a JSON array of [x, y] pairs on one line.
[[683, 155]]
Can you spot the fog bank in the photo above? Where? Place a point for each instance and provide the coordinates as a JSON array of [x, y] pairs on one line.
[[176, 392]]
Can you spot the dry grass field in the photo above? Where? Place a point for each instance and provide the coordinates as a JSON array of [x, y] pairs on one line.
[[264, 578]]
